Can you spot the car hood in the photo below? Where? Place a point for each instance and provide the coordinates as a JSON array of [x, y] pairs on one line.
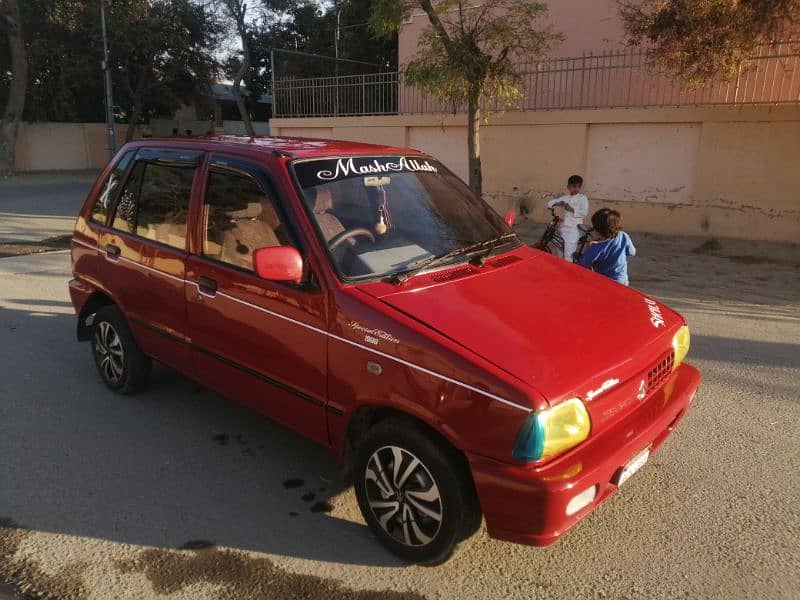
[[554, 326]]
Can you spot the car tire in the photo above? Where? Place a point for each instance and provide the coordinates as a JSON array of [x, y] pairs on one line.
[[123, 367], [423, 509]]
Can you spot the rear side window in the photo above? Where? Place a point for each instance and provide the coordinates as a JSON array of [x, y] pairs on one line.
[[154, 203], [106, 198]]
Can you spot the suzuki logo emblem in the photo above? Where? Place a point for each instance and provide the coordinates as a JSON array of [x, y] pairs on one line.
[[642, 391]]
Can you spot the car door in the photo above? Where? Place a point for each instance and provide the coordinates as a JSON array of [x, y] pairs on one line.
[[262, 343], [146, 251]]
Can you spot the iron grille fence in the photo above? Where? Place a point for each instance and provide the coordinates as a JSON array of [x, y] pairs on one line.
[[610, 79]]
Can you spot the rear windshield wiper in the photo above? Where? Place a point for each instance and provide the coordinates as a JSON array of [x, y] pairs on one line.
[[432, 261]]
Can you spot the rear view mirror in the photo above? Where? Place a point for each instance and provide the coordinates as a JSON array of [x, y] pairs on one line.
[[510, 217], [278, 263]]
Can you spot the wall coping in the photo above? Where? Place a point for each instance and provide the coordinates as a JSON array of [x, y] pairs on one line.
[[768, 113]]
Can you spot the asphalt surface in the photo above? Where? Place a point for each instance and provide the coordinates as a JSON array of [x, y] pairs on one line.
[[36, 207], [98, 492]]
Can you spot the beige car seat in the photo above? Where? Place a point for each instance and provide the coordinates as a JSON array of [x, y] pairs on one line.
[[253, 227], [329, 224]]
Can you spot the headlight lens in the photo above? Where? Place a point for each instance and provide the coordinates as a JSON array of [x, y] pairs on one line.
[[551, 431], [680, 344]]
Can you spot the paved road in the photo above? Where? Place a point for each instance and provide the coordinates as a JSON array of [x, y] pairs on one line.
[[36, 207], [105, 484], [97, 491]]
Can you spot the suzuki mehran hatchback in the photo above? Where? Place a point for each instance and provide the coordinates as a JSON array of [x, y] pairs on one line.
[[363, 296]]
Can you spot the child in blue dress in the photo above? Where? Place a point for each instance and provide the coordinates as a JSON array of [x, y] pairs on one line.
[[609, 255]]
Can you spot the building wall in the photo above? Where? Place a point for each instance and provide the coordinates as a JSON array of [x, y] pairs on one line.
[[587, 25], [729, 172], [63, 146]]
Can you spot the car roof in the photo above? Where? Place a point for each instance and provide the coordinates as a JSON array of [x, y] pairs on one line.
[[295, 147]]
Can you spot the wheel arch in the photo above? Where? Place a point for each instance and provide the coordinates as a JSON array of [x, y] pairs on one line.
[[367, 416], [94, 302]]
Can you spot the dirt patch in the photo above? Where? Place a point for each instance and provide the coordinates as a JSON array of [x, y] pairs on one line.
[[707, 247], [25, 576], [221, 439], [240, 576], [60, 242], [323, 506], [761, 260], [197, 545]]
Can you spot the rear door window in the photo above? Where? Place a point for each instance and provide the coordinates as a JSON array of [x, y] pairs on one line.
[[154, 204], [106, 198]]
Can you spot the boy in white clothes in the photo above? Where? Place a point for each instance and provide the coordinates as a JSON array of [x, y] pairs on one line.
[[576, 207]]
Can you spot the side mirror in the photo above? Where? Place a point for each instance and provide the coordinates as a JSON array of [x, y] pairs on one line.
[[278, 263], [510, 217]]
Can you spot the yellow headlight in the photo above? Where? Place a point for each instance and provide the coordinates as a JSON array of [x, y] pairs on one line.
[[553, 430], [680, 343], [565, 426]]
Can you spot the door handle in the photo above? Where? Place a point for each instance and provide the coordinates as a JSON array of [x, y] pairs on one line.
[[113, 250], [207, 285]]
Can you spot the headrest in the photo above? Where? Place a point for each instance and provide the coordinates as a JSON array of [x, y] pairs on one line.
[[251, 211], [323, 201]]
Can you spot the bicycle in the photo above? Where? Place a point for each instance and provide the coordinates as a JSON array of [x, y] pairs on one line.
[[551, 239], [586, 238]]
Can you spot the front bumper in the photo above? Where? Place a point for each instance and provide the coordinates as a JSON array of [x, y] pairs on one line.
[[529, 505]]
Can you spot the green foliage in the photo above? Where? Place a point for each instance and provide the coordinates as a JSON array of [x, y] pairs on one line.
[[700, 39], [162, 56], [468, 52], [311, 27]]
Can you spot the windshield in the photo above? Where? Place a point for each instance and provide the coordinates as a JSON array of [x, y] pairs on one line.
[[382, 215]]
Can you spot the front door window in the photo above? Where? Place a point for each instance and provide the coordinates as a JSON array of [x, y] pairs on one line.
[[241, 216]]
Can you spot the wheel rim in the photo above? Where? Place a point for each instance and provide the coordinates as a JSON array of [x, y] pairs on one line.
[[108, 348], [403, 496]]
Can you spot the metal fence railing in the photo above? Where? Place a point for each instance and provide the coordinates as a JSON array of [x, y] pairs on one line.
[[605, 80], [369, 94]]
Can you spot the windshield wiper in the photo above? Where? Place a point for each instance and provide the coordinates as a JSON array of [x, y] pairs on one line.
[[432, 261]]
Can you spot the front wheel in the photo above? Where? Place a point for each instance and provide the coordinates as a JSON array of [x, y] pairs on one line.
[[414, 493]]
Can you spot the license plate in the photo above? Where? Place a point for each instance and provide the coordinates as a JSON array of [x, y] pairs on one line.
[[636, 463]]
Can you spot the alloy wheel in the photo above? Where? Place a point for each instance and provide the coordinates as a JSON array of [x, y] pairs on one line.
[[403, 496], [108, 348]]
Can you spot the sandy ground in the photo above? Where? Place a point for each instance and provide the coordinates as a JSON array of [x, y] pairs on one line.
[[178, 493]]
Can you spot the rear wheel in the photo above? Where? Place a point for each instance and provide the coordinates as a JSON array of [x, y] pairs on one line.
[[414, 491], [122, 365]]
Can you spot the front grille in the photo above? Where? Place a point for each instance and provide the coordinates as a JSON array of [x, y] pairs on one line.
[[662, 369]]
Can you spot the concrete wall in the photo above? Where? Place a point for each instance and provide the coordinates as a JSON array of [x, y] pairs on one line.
[[63, 146], [716, 171]]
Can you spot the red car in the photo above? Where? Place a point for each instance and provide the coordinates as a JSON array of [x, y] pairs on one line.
[[363, 296]]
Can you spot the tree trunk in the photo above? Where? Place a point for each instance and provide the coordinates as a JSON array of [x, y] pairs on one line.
[[136, 112], [474, 144], [9, 125], [237, 80]]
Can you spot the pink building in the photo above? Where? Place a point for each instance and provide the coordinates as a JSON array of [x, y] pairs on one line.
[[717, 160], [589, 26]]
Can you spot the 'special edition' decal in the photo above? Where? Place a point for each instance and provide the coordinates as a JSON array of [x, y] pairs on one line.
[[373, 336]]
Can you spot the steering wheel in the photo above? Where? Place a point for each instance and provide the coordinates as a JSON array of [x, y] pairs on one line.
[[339, 238]]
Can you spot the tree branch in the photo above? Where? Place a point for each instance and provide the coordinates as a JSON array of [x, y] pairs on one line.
[[437, 25]]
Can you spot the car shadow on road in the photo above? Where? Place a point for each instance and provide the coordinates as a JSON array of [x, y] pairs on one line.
[[175, 466]]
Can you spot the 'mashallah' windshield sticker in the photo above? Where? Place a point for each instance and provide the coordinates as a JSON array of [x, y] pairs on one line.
[[313, 172]]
